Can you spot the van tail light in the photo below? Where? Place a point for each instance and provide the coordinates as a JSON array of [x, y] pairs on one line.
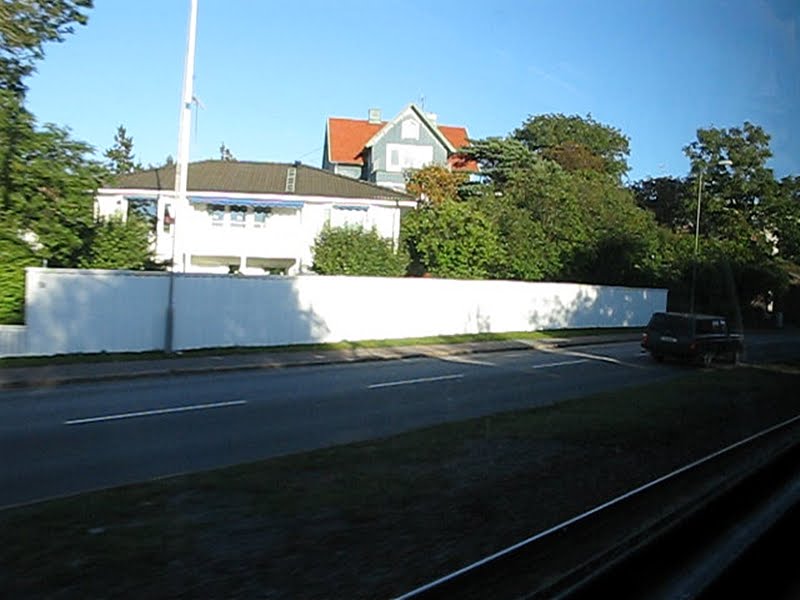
[[644, 338]]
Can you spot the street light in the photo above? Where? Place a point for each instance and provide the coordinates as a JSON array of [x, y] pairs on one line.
[[721, 163]]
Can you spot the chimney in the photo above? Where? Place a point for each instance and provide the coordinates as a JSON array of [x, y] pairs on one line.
[[432, 117], [374, 115]]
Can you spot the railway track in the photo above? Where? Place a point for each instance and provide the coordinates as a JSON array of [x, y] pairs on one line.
[[705, 530]]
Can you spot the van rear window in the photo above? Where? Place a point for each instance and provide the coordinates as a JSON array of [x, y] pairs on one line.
[[710, 326], [673, 324]]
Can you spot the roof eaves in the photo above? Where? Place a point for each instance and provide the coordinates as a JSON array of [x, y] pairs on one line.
[[421, 114], [392, 195]]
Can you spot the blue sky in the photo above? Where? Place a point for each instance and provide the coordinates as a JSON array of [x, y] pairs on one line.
[[270, 73]]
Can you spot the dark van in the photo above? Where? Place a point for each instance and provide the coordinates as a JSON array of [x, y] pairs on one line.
[[692, 337]]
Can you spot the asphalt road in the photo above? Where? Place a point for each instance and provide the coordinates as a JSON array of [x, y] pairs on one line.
[[76, 438]]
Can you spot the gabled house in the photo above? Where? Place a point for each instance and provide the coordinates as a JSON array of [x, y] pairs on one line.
[[250, 217], [382, 151]]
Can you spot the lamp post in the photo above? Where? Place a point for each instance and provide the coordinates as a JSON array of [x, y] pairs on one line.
[[721, 163], [181, 175]]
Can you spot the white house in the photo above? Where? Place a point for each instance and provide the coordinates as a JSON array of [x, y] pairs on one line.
[[250, 217]]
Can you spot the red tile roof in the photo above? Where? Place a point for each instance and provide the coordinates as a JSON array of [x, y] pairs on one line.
[[347, 138]]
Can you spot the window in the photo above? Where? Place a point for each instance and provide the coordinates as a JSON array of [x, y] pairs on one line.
[[347, 217], [238, 216], [260, 215], [217, 214], [144, 208], [407, 156], [410, 130]]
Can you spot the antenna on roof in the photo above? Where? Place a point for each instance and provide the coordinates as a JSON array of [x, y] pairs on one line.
[[196, 101], [422, 101]]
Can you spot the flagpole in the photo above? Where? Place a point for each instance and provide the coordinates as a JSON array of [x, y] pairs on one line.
[[181, 173]]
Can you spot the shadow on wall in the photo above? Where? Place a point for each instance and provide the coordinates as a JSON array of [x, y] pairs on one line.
[[83, 311], [231, 310], [482, 322], [596, 306], [73, 311]]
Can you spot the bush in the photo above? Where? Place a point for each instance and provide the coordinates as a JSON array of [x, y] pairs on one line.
[[452, 239], [353, 250], [16, 255]]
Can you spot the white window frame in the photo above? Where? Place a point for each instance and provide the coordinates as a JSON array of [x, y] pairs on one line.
[[233, 216], [409, 156], [409, 129], [213, 211]]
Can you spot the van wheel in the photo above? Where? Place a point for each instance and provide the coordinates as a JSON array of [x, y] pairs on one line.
[[707, 357]]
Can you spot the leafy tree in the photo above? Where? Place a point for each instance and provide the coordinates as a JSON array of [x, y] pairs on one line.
[[526, 253], [120, 156], [435, 183], [594, 230], [352, 250], [451, 239], [47, 191], [500, 158], [573, 156], [737, 192], [669, 199], [225, 153], [47, 187], [576, 142], [16, 255], [26, 26], [119, 244]]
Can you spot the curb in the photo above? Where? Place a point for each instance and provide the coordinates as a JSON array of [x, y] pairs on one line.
[[513, 345]]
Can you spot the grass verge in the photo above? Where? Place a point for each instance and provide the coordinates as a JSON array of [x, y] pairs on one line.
[[32, 361], [377, 518]]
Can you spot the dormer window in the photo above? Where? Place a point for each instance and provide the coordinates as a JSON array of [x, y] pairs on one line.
[[410, 129]]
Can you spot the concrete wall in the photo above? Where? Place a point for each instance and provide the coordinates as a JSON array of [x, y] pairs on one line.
[[91, 311], [13, 340]]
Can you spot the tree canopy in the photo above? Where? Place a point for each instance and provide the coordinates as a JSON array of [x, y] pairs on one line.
[[576, 142], [25, 27], [120, 156]]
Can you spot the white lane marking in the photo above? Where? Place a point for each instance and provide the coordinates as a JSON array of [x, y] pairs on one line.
[[560, 363], [466, 361], [410, 381], [158, 411]]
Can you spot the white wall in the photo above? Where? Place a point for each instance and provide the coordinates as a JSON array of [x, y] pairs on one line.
[[71, 310], [92, 311], [13, 340]]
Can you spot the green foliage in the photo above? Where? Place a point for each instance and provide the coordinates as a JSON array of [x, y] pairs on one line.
[[435, 183], [26, 26], [16, 255], [119, 244], [451, 239], [669, 199], [500, 158], [576, 142], [525, 251], [47, 183], [352, 250], [47, 187], [120, 156]]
